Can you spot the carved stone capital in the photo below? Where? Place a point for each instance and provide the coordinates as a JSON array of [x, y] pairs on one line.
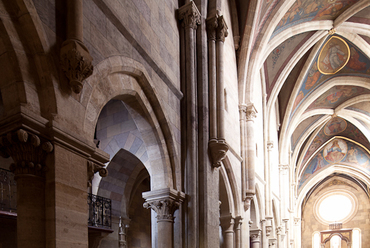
[[221, 32], [251, 112], [255, 235], [75, 61], [27, 150], [279, 230], [93, 168], [190, 15], [218, 150], [212, 24], [164, 202]]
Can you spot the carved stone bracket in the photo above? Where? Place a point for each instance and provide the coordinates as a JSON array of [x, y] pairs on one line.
[[27, 150], [190, 15], [164, 202], [221, 30], [75, 61], [247, 201], [93, 168], [218, 150]]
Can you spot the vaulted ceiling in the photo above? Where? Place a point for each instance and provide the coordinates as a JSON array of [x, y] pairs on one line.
[[316, 68]]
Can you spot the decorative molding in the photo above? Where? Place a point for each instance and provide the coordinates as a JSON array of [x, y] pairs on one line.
[[212, 24], [27, 150], [221, 30], [218, 150], [190, 15], [76, 62], [92, 168], [164, 202]]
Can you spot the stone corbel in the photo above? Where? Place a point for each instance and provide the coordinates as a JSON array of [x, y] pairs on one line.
[[164, 202], [272, 242], [218, 150], [76, 63], [247, 201], [27, 150], [92, 168], [221, 29]]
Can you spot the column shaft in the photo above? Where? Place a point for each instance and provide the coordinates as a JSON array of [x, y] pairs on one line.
[[30, 211], [212, 89], [165, 233], [75, 19]]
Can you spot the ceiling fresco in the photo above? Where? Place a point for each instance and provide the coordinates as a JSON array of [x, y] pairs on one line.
[[302, 128], [311, 10], [335, 126], [337, 151], [358, 64], [280, 56], [337, 95]]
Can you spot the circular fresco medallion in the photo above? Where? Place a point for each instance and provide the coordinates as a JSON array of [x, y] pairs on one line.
[[334, 126], [333, 56], [335, 151]]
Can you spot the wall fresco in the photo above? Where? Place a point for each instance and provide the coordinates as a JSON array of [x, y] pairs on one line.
[[337, 151]]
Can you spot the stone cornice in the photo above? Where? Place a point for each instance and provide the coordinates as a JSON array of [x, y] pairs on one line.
[[190, 15]]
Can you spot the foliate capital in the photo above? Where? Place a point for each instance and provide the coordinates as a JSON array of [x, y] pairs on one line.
[[27, 150], [92, 168], [164, 202], [212, 24], [190, 15], [255, 235], [75, 61], [221, 29]]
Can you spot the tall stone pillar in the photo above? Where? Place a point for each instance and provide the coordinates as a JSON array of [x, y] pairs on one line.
[[238, 234], [164, 202], [255, 238], [268, 193], [227, 224], [29, 153], [190, 17], [284, 184]]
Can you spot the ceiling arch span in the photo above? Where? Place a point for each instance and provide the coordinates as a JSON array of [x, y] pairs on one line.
[[354, 9]]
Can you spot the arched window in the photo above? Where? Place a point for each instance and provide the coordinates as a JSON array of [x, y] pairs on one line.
[[356, 238], [335, 242]]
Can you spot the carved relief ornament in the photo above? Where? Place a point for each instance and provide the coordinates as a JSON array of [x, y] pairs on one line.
[[250, 112], [164, 208]]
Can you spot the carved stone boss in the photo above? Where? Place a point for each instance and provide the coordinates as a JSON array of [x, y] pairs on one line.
[[27, 150]]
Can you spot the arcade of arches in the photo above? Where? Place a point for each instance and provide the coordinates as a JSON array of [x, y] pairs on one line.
[[179, 123]]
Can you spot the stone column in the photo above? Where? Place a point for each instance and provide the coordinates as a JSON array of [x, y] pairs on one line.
[[251, 114], [164, 202], [284, 183], [227, 224], [190, 17], [268, 201], [29, 153], [255, 238], [217, 32], [238, 234]]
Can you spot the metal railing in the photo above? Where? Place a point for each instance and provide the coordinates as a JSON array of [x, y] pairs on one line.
[[8, 191], [100, 209]]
